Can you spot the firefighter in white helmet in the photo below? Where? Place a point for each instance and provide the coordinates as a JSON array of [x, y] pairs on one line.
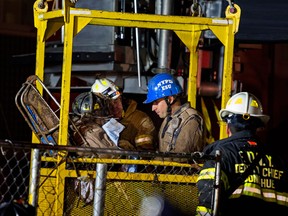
[[261, 189], [139, 132]]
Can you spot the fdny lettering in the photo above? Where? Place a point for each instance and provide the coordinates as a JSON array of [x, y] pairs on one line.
[[165, 84], [251, 156], [264, 174]]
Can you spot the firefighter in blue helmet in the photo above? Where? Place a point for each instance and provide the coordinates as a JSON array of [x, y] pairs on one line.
[[253, 182], [182, 130]]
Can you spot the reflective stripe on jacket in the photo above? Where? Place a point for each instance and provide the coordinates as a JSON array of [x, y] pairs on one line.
[[265, 190]]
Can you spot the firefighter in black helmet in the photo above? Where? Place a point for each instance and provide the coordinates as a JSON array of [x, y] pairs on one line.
[[253, 181]]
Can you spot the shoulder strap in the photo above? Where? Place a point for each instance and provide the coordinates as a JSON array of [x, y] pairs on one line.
[[191, 115]]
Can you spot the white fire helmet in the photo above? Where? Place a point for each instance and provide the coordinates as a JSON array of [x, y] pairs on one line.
[[245, 104], [105, 88]]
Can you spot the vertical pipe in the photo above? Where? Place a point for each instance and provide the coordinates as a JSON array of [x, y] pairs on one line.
[[158, 10], [34, 177], [220, 71], [217, 183], [164, 58], [100, 187], [122, 28], [137, 47], [163, 38]]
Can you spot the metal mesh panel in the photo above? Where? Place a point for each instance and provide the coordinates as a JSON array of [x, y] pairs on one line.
[[126, 197], [50, 183], [14, 174]]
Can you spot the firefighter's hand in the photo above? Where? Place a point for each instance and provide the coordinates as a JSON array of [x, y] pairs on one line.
[[126, 145]]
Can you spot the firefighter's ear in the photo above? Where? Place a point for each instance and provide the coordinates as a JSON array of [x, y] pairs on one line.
[[228, 130], [171, 99]]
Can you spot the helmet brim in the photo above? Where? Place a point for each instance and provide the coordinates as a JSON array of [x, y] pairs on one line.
[[147, 101], [223, 113]]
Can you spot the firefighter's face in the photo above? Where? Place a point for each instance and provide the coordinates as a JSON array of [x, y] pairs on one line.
[[160, 107], [116, 108]]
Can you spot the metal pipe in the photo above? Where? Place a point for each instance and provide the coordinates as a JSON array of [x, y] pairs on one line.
[[137, 47], [122, 9], [34, 177], [164, 38], [158, 10], [217, 183], [100, 188], [26, 145], [220, 71]]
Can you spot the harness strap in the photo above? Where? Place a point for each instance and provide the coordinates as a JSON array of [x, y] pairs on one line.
[[187, 115]]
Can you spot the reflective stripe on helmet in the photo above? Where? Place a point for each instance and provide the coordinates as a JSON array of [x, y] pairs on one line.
[[105, 88]]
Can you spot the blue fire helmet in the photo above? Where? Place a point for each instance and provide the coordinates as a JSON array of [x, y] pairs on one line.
[[162, 85]]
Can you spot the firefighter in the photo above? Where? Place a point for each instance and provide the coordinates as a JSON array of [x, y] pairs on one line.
[[182, 130], [139, 132], [253, 181], [88, 104], [90, 113]]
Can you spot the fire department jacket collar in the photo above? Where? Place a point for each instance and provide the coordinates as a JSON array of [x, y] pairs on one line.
[[180, 110], [246, 134], [131, 108]]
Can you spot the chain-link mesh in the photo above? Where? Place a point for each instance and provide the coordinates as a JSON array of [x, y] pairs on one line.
[[67, 184], [15, 166]]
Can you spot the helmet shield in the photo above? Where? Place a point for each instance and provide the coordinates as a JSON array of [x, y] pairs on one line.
[[105, 88], [162, 85]]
